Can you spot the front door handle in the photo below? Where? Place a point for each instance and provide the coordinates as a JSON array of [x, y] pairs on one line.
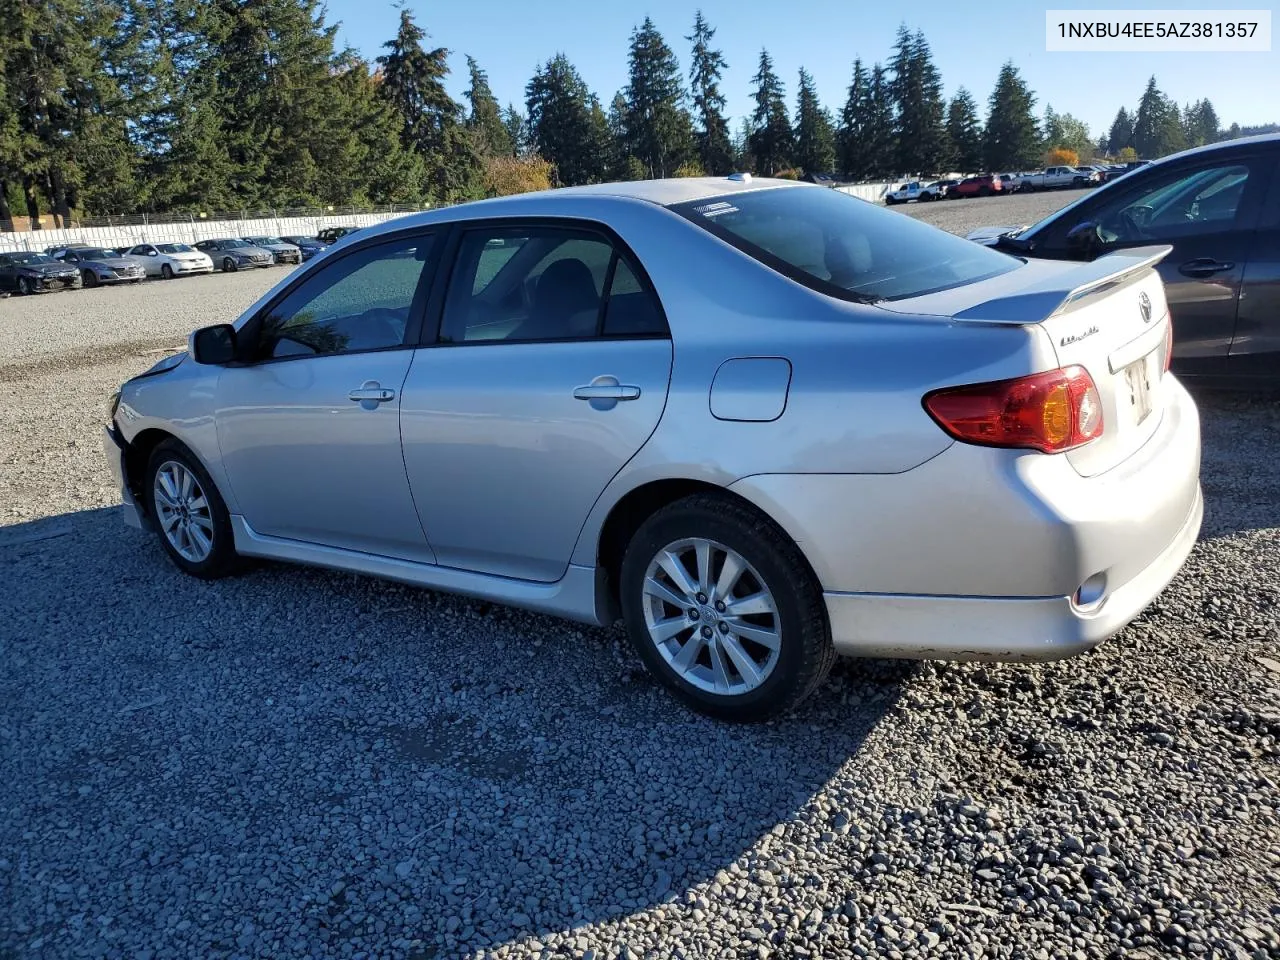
[[370, 394], [1204, 267], [603, 393]]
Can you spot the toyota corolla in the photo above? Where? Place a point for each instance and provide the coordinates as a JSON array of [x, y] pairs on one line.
[[762, 423]]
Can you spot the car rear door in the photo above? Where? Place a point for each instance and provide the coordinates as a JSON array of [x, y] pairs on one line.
[[1206, 208], [1255, 346], [549, 372], [308, 418]]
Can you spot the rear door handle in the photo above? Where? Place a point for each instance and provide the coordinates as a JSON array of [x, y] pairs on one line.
[[1204, 267], [370, 394]]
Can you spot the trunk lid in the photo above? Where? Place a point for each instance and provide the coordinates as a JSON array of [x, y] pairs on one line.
[[1109, 316]]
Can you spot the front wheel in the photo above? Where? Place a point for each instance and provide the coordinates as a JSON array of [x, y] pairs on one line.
[[24, 286], [166, 272], [228, 265], [193, 522], [722, 607], [89, 278]]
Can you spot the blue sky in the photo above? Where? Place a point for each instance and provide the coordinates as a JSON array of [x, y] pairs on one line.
[[970, 41]]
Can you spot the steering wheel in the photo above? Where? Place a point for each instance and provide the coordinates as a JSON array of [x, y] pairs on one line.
[[1137, 218]]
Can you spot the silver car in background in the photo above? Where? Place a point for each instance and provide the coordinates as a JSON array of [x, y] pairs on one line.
[[761, 422], [282, 251]]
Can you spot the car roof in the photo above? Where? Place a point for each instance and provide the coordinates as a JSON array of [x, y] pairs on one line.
[[659, 192]]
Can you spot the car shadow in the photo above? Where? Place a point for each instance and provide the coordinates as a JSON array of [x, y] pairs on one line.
[[358, 762], [1239, 474]]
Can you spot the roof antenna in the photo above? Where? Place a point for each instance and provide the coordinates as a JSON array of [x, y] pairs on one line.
[[740, 177]]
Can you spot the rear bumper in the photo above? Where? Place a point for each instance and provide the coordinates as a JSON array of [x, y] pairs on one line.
[[981, 553], [113, 447], [1000, 628]]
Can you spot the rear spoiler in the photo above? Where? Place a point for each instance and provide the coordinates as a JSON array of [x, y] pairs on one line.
[[1061, 294]]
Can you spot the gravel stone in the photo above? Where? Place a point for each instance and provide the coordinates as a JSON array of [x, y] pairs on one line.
[[297, 763]]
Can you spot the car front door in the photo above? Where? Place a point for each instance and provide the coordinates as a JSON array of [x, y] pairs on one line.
[[550, 371], [1207, 211], [1255, 348], [308, 417]]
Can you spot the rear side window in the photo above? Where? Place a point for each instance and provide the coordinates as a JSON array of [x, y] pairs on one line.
[[842, 246]]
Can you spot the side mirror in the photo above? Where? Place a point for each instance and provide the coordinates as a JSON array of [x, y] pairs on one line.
[[1084, 240], [214, 346]]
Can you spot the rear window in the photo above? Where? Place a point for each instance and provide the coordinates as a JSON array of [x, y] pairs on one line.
[[842, 246]]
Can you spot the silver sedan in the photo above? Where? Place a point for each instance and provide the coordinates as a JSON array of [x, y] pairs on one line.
[[763, 423]]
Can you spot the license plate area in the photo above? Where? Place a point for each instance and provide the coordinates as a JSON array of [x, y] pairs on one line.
[[1137, 378]]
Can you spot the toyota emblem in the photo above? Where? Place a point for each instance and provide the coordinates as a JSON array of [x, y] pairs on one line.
[[1144, 305]]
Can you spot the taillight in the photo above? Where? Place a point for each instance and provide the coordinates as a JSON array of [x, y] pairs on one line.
[[1050, 412], [1168, 345]]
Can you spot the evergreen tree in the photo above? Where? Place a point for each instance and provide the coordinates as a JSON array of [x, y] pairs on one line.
[[413, 82], [964, 130], [878, 127], [562, 124], [1157, 128], [715, 150], [1202, 124], [851, 146], [490, 134], [1121, 134], [815, 150], [917, 95], [770, 140], [371, 167], [517, 130], [658, 131], [1011, 141]]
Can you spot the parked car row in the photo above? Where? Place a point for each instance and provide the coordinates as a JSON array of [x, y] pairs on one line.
[[74, 265], [1002, 184]]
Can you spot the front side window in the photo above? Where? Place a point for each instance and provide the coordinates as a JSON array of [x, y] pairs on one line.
[[842, 246], [1197, 202], [362, 301], [544, 283]]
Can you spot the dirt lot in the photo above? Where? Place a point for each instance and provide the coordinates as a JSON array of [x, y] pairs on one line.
[[298, 763]]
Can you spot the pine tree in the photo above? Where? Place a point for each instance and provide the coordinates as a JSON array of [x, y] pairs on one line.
[[879, 136], [917, 94], [715, 150], [1201, 124], [1157, 128], [372, 167], [517, 130], [1121, 134], [658, 132], [562, 126], [1012, 140], [815, 150], [964, 130], [851, 146], [770, 141], [485, 120], [413, 81]]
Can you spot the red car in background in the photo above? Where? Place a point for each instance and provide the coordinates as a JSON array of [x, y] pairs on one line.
[[982, 186]]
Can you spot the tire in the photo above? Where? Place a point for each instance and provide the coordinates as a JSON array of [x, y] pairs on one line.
[[229, 265], [166, 272], [984, 192], [89, 278], [212, 520], [772, 564], [24, 286]]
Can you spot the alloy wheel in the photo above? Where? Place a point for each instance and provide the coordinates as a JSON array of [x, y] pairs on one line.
[[182, 510], [711, 616]]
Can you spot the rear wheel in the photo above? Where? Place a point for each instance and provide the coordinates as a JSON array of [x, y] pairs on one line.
[[193, 522], [723, 609], [984, 192], [166, 271]]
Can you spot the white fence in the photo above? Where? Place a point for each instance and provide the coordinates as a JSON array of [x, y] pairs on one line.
[[39, 240], [869, 191]]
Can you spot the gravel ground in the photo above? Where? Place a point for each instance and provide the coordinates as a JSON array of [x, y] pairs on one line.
[[297, 763]]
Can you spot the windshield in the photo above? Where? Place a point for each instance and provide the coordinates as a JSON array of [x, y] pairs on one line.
[[262, 241], [95, 253], [174, 248], [32, 258], [842, 246]]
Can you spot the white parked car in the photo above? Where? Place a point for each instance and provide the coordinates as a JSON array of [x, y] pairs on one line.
[[905, 193], [169, 260]]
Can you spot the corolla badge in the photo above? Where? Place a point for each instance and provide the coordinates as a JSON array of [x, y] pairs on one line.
[[1077, 337], [1144, 306]]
